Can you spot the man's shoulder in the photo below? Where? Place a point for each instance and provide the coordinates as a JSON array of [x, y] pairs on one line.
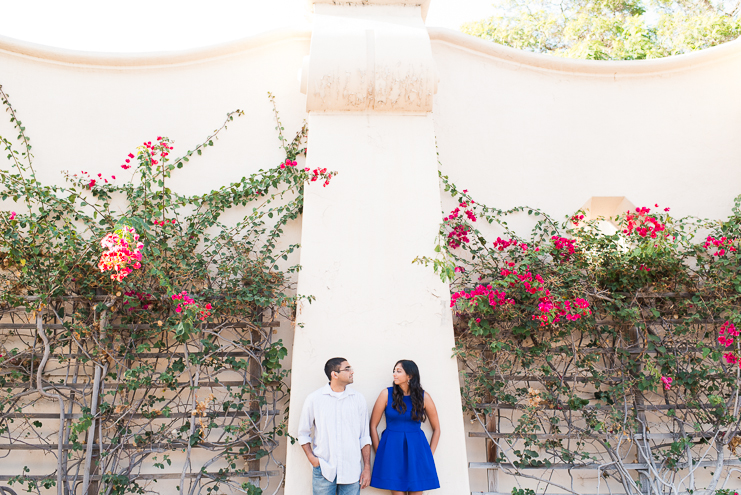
[[356, 397], [317, 393]]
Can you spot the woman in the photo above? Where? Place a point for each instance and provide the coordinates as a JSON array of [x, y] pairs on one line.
[[404, 460]]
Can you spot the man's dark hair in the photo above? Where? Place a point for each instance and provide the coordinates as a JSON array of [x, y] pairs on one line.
[[333, 365]]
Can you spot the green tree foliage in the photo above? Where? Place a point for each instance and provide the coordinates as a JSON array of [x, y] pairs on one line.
[[610, 29]]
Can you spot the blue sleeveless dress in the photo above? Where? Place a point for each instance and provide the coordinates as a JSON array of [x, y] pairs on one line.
[[403, 460]]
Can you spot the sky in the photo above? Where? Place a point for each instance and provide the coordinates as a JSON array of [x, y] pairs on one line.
[[164, 25]]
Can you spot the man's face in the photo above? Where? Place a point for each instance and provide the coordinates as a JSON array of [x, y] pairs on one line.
[[345, 373]]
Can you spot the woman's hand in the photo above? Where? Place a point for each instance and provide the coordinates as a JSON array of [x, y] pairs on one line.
[[375, 418]]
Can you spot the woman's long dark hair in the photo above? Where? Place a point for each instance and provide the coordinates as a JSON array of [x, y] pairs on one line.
[[416, 392]]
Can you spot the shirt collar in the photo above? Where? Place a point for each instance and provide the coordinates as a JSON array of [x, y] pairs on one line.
[[327, 390]]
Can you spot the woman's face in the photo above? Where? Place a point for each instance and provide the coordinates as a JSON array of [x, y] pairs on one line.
[[400, 376]]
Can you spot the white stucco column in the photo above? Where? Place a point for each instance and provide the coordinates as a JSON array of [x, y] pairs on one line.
[[370, 80]]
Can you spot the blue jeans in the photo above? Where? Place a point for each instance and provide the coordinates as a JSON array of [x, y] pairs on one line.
[[321, 486]]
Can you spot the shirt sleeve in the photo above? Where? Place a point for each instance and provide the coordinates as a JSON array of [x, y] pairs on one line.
[[365, 438], [305, 422]]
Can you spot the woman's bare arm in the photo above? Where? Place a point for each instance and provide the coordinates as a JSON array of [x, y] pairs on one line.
[[431, 411], [375, 418]]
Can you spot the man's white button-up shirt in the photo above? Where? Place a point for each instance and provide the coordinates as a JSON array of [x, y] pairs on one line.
[[340, 423]]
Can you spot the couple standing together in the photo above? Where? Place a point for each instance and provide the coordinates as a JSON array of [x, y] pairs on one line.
[[343, 435]]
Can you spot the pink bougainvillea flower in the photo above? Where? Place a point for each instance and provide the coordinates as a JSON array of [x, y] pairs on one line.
[[727, 332], [502, 244], [723, 245], [642, 224], [188, 303], [458, 235], [12, 215], [667, 382], [564, 248], [123, 253]]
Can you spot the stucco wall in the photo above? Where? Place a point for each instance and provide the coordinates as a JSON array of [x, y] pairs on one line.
[[517, 128]]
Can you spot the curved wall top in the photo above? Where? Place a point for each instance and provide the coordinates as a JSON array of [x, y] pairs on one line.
[[449, 36], [592, 67], [153, 59]]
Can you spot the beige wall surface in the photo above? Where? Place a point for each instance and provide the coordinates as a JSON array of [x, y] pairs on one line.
[[87, 112], [517, 128]]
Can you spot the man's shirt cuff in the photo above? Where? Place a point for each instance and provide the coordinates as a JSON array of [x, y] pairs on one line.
[[303, 440], [366, 440]]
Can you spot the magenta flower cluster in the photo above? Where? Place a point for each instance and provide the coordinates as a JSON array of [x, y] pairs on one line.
[[187, 302], [459, 234], [564, 248], [316, 173], [502, 244], [89, 181], [456, 212], [482, 293], [123, 253], [142, 297], [642, 224], [722, 245], [162, 223], [551, 310], [727, 332], [667, 381], [149, 151]]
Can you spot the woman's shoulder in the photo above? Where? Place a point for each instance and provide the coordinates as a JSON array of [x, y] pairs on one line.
[[386, 392]]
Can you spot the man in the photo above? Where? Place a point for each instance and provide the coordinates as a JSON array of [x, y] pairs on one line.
[[339, 416]]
